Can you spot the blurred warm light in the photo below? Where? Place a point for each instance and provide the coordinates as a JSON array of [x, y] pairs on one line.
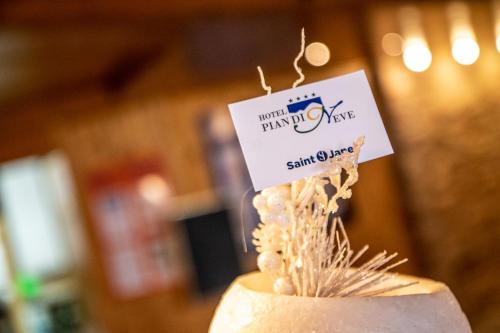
[[317, 54], [392, 44], [416, 55], [154, 189], [221, 126], [464, 49], [496, 13]]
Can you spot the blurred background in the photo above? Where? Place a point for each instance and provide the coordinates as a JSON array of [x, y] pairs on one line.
[[122, 182]]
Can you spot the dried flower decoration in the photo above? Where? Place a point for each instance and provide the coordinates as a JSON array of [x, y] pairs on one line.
[[305, 249]]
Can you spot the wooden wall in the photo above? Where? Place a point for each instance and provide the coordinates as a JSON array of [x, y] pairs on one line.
[[445, 123]]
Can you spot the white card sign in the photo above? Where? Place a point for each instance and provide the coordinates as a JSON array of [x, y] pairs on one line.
[[287, 135]]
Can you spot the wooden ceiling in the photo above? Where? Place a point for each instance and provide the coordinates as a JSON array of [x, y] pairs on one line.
[[40, 11], [55, 47], [58, 46]]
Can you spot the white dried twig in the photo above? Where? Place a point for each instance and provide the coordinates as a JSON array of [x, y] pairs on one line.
[[263, 83], [299, 56]]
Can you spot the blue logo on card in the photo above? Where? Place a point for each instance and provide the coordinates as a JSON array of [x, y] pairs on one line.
[[305, 113], [314, 102], [311, 113]]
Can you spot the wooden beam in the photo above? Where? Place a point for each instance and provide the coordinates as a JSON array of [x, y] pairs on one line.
[[57, 12]]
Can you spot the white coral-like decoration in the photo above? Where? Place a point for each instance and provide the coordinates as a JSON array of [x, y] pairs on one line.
[[305, 249], [268, 237]]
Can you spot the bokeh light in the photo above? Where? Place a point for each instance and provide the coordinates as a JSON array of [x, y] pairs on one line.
[[154, 189], [496, 15], [392, 44], [317, 54], [416, 56], [465, 50]]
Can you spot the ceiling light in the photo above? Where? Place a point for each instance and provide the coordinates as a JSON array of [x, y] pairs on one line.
[[416, 55], [465, 50], [496, 13], [464, 47]]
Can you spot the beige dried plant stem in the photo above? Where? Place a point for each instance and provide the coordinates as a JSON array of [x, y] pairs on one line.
[[298, 69], [299, 56], [263, 83]]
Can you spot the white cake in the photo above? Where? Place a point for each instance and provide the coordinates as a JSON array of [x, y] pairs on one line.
[[249, 305]]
